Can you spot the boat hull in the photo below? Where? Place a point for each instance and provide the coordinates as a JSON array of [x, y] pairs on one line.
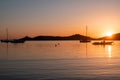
[[5, 41], [13, 41], [102, 43], [84, 41]]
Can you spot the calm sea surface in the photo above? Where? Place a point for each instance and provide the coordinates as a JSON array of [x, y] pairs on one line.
[[59, 60]]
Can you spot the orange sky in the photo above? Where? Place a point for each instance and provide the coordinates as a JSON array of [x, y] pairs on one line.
[[59, 18]]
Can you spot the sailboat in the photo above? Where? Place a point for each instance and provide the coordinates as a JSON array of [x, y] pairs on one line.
[[86, 39], [12, 41], [6, 40], [103, 43]]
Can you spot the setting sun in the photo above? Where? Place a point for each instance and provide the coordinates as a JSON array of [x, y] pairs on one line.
[[109, 33]]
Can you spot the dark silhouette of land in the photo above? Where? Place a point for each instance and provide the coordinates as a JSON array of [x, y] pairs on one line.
[[72, 37], [113, 37]]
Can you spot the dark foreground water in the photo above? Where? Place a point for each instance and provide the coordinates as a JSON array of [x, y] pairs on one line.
[[70, 60]]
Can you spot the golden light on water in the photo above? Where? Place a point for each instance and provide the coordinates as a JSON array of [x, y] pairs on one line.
[[109, 48]]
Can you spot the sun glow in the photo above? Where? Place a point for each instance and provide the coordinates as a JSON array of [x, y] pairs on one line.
[[109, 33]]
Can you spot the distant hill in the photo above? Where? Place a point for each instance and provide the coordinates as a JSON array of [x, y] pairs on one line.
[[72, 37], [116, 36], [113, 37], [26, 38]]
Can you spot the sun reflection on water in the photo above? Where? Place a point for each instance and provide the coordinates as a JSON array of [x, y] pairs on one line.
[[109, 48]]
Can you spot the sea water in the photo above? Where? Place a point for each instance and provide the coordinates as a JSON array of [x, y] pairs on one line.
[[59, 60]]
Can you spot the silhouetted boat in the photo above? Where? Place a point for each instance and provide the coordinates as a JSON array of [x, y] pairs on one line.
[[12, 41], [6, 40], [103, 43], [85, 40]]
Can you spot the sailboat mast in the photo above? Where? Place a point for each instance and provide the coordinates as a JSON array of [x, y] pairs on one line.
[[86, 32], [7, 34], [86, 40]]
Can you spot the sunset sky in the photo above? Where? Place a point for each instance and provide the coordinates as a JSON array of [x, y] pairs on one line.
[[59, 17]]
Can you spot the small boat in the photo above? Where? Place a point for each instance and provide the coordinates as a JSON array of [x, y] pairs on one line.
[[12, 41], [103, 43], [84, 41], [5, 41]]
